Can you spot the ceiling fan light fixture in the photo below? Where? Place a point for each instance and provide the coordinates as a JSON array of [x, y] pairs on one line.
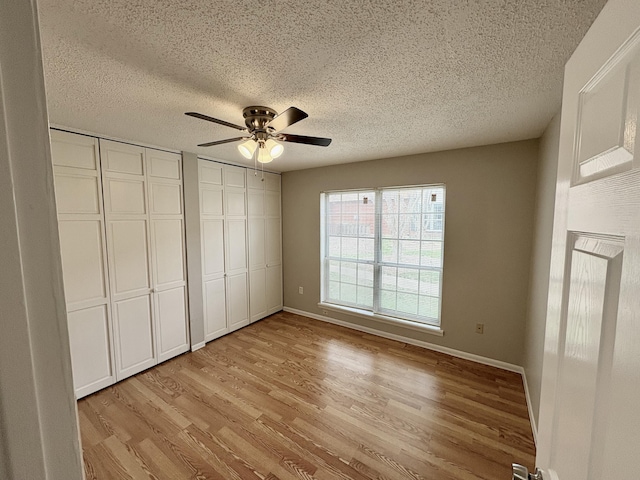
[[248, 148], [274, 148], [263, 155]]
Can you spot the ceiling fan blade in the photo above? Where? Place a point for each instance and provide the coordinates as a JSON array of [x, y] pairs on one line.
[[287, 118], [215, 120], [220, 142], [319, 141]]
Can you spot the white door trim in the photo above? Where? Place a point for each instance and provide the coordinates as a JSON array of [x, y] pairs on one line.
[[38, 416]]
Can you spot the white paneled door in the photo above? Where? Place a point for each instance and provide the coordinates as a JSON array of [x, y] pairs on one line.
[[78, 186], [236, 262], [164, 175], [212, 244], [265, 244], [127, 221], [589, 418], [121, 226], [145, 239]]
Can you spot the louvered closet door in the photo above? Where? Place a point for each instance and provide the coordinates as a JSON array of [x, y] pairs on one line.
[[213, 252], [164, 176], [126, 209], [84, 262], [236, 265]]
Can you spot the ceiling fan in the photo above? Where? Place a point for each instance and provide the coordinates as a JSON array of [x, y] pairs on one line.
[[264, 126]]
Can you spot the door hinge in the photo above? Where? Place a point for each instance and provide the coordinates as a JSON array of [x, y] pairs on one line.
[[520, 472]]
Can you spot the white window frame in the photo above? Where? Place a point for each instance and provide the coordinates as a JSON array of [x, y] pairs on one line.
[[432, 325]]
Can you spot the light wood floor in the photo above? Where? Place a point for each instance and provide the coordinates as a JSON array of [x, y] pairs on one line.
[[291, 397]]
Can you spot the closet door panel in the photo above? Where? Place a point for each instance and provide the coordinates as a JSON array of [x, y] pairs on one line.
[[83, 262], [73, 150], [79, 203], [213, 247], [237, 245], [89, 339], [237, 298], [129, 250], [235, 202], [168, 251], [121, 157], [272, 182], [255, 203], [215, 308], [211, 201], [125, 197], [172, 323], [134, 335], [166, 199], [274, 289], [272, 204], [210, 173], [77, 193], [164, 186], [234, 177], [257, 258], [257, 293], [272, 241], [164, 164]]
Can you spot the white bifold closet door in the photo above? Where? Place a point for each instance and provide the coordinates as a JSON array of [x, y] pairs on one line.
[[78, 187], [236, 262], [223, 217], [212, 241], [265, 244], [168, 262], [145, 240]]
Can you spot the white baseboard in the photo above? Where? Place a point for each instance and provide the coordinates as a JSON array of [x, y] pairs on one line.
[[532, 419], [430, 346], [197, 346]]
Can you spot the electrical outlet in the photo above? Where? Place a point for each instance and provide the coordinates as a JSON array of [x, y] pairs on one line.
[[480, 328], [300, 290]]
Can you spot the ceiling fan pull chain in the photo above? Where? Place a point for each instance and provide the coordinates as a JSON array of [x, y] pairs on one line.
[[255, 162]]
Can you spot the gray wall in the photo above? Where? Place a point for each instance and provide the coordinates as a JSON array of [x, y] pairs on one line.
[[489, 229], [540, 261]]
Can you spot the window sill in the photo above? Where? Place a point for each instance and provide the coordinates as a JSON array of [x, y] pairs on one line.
[[356, 312]]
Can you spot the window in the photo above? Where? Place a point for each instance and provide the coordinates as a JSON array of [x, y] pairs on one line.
[[383, 251]]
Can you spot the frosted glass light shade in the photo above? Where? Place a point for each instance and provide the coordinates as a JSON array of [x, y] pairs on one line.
[[264, 156], [248, 148], [274, 148]]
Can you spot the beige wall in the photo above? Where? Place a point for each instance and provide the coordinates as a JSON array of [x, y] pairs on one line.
[[489, 225], [540, 261]]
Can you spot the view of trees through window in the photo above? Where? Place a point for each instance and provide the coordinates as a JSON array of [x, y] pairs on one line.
[[383, 250]]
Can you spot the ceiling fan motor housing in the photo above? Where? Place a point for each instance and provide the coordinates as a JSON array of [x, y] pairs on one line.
[[256, 119]]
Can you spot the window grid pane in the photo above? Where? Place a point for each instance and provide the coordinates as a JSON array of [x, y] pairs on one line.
[[405, 247]]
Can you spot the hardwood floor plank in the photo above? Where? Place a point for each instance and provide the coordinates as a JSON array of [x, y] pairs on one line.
[[291, 398]]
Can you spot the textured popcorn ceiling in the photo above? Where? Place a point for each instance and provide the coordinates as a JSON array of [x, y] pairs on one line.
[[381, 78]]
